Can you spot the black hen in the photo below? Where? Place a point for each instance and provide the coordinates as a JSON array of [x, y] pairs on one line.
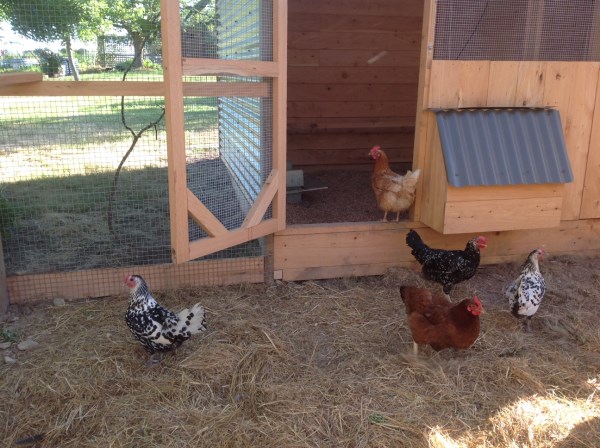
[[158, 329], [447, 267]]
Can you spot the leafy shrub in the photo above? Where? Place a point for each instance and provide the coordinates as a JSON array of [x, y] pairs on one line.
[[50, 61]]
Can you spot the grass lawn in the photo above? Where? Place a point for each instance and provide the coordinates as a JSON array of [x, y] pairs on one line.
[[58, 156]]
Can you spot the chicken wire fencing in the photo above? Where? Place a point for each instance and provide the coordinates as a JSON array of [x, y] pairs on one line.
[[84, 179], [517, 30]]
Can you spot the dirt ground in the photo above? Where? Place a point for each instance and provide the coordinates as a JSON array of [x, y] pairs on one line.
[[311, 364], [348, 198]]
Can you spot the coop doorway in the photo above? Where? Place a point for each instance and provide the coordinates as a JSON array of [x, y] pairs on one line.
[[353, 75]]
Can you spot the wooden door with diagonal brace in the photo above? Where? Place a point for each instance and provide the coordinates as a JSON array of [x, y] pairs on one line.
[[244, 68]]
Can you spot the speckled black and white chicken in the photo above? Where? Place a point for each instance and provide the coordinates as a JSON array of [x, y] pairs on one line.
[[158, 329], [446, 267], [526, 292]]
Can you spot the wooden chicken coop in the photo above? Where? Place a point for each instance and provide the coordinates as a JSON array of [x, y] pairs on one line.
[[331, 79]]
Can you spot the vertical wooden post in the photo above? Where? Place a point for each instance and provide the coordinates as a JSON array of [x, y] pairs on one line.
[[280, 18], [423, 116], [175, 127], [4, 302]]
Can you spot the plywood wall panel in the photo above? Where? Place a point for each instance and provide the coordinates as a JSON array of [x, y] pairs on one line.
[[459, 84], [590, 205], [571, 87], [353, 67]]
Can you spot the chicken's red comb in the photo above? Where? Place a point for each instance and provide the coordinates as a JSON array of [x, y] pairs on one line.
[[477, 302], [376, 148]]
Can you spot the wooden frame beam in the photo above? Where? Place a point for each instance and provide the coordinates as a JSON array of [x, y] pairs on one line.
[[135, 88], [202, 66], [263, 200], [205, 246], [7, 79], [203, 217], [175, 127]]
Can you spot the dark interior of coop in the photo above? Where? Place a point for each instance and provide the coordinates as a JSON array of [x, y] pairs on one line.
[[352, 84]]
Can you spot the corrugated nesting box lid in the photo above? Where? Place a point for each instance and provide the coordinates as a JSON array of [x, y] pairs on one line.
[[503, 146]]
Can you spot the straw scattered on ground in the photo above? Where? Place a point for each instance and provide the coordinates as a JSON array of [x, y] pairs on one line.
[[323, 363]]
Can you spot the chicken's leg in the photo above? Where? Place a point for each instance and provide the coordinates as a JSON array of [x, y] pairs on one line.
[[415, 348], [155, 358], [385, 216]]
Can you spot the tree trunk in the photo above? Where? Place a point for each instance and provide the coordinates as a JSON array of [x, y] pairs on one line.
[[74, 71], [138, 47]]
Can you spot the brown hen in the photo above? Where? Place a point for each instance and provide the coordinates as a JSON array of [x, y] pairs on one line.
[[435, 321], [393, 192]]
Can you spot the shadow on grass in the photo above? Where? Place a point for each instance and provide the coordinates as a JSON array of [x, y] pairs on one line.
[[60, 223]]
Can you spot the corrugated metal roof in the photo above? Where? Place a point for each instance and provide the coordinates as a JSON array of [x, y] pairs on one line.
[[503, 146]]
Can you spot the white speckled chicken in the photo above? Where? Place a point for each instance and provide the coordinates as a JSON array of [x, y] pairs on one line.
[[526, 292], [158, 329]]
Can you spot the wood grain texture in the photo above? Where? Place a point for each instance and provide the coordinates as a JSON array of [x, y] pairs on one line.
[[352, 68], [370, 249]]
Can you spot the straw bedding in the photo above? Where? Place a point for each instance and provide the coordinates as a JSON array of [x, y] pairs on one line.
[[310, 364]]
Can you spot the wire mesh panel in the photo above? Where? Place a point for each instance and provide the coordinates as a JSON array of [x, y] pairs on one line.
[[89, 41], [227, 168], [67, 204], [558, 30], [84, 179]]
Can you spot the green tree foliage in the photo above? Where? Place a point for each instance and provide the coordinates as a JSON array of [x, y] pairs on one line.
[[48, 20]]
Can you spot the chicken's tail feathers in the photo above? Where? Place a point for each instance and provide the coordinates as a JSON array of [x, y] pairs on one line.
[[192, 320], [410, 180]]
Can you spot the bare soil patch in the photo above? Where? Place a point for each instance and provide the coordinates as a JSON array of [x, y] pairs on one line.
[[348, 198], [309, 364]]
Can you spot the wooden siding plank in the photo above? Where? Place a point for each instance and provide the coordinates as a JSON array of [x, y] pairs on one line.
[[354, 58], [530, 84], [494, 192], [203, 217], [502, 84], [317, 21], [344, 109], [314, 125], [109, 282], [339, 245], [590, 205], [175, 127], [356, 8], [353, 40], [7, 79], [571, 87], [201, 66], [353, 92], [459, 84], [507, 214], [353, 75]]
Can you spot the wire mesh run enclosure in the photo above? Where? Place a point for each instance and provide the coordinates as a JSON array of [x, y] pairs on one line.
[[517, 30], [86, 170]]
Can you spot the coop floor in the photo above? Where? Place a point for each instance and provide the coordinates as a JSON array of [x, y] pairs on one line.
[[310, 364], [348, 198]]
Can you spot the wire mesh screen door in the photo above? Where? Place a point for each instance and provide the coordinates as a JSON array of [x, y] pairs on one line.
[[229, 189]]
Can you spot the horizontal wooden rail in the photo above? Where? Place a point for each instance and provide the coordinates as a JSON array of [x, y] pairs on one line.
[[135, 88], [109, 281], [198, 67], [19, 78]]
